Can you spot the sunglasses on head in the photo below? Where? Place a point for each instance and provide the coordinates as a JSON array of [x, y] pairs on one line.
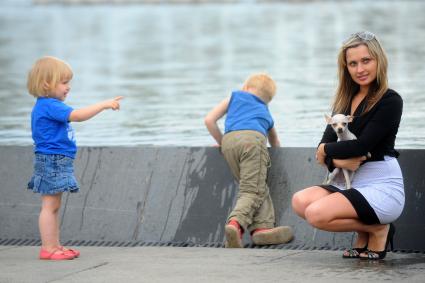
[[363, 35]]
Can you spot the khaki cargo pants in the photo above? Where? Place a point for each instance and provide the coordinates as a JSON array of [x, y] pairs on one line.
[[248, 158]]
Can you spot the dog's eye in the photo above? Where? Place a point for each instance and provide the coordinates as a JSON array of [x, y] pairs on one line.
[[344, 124], [334, 124]]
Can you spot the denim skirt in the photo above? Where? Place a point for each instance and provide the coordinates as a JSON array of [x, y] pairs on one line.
[[53, 174]]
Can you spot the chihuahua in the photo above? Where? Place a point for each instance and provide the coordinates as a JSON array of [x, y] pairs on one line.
[[339, 124]]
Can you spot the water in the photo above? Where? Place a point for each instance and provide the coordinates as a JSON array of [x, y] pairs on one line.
[[173, 63]]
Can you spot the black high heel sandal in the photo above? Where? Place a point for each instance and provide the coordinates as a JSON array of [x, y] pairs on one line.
[[377, 255], [354, 252]]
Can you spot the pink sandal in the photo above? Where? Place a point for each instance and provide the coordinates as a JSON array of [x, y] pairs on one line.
[[73, 252], [55, 255]]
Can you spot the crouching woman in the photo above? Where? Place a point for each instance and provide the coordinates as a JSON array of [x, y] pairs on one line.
[[376, 196]]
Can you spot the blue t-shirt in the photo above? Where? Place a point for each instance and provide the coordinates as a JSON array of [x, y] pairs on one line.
[[51, 131], [248, 112]]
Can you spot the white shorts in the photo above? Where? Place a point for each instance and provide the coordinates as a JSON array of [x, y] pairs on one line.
[[381, 184]]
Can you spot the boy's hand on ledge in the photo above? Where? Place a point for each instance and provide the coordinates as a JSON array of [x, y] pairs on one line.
[[217, 146]]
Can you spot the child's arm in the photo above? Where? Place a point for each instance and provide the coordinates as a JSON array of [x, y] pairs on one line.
[[211, 119], [273, 138], [88, 112]]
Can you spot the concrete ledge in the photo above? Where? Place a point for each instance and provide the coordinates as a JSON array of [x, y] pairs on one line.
[[180, 194]]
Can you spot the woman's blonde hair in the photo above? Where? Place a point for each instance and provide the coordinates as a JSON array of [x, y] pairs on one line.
[[347, 88], [46, 73], [263, 84]]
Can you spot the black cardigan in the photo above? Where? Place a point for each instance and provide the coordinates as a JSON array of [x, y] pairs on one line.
[[375, 131]]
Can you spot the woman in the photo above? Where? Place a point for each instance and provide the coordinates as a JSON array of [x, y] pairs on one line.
[[376, 197]]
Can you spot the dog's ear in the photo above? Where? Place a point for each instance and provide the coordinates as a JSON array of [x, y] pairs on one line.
[[350, 118], [328, 118]]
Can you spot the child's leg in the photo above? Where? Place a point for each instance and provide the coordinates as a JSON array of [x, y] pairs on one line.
[[49, 222], [264, 217], [248, 158], [262, 229]]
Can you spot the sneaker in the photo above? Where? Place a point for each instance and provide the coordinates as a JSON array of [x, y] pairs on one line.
[[233, 232], [55, 255], [272, 236]]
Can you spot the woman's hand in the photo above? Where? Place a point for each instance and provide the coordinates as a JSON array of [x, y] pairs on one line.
[[351, 164], [320, 154]]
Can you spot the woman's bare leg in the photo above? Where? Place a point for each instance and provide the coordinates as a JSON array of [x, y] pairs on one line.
[[361, 240], [302, 199], [335, 213]]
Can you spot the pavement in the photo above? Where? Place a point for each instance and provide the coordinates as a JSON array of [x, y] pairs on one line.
[[202, 264]]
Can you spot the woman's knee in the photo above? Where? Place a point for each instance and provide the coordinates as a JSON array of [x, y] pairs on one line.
[[316, 215], [299, 203]]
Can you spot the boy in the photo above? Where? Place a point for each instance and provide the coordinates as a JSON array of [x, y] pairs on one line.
[[248, 125]]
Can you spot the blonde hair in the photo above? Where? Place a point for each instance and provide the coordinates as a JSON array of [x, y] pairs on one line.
[[263, 85], [46, 73], [347, 88]]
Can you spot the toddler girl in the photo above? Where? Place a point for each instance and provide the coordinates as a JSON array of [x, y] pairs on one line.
[[55, 146]]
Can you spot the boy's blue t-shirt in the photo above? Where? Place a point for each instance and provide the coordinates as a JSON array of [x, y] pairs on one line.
[[51, 131], [248, 112]]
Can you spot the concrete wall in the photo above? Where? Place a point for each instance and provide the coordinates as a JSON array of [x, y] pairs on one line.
[[180, 194]]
